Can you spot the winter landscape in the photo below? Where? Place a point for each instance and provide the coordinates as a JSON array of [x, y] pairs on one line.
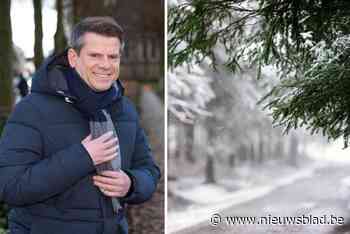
[[258, 115]]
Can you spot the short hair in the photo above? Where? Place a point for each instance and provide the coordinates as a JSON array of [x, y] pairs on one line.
[[102, 25]]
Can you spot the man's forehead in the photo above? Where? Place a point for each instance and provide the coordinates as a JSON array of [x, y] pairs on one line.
[[92, 50], [100, 49], [97, 42]]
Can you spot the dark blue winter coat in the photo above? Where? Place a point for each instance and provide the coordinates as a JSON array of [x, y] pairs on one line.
[[46, 173]]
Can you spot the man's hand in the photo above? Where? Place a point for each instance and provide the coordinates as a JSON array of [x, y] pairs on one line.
[[101, 149], [113, 183]]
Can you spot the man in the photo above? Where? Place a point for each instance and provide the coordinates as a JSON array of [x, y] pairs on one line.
[[72, 153]]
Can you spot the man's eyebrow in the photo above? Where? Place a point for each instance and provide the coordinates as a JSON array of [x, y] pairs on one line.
[[114, 54], [98, 53], [93, 52]]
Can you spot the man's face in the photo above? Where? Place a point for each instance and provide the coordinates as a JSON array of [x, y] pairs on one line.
[[98, 61]]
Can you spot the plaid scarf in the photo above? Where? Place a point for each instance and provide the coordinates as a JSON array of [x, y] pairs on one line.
[[93, 105], [98, 127]]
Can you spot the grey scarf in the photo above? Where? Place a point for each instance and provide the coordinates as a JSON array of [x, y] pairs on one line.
[[93, 105], [98, 128]]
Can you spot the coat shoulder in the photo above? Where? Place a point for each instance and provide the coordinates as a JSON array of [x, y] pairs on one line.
[[26, 111]]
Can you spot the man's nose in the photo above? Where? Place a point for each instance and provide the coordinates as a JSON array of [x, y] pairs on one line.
[[105, 63]]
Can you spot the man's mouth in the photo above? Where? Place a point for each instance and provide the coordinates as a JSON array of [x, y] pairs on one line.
[[103, 76]]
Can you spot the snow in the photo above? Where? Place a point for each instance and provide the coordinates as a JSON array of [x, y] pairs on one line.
[[191, 216], [210, 199], [345, 181], [308, 205], [249, 184], [189, 92], [333, 152]]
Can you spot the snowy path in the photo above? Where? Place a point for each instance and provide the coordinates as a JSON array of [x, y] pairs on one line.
[[321, 192], [216, 199]]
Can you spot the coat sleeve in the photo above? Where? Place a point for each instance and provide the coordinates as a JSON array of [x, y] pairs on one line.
[[27, 176], [145, 174]]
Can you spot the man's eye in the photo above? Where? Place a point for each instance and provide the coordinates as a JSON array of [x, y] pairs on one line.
[[115, 57], [94, 55]]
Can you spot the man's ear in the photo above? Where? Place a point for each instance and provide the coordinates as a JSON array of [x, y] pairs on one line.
[[72, 57]]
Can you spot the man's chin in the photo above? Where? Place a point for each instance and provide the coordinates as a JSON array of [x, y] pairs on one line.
[[101, 88]]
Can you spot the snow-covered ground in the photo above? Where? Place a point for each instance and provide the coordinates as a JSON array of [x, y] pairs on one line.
[[204, 200], [210, 199]]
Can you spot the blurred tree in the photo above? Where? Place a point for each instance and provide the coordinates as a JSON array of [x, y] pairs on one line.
[[210, 171], [189, 131], [74, 12], [38, 43], [252, 152], [261, 151], [232, 160], [308, 42], [6, 74], [293, 151], [189, 93], [60, 37], [6, 57]]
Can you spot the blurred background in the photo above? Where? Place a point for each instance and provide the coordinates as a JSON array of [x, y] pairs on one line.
[[227, 154], [31, 30]]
